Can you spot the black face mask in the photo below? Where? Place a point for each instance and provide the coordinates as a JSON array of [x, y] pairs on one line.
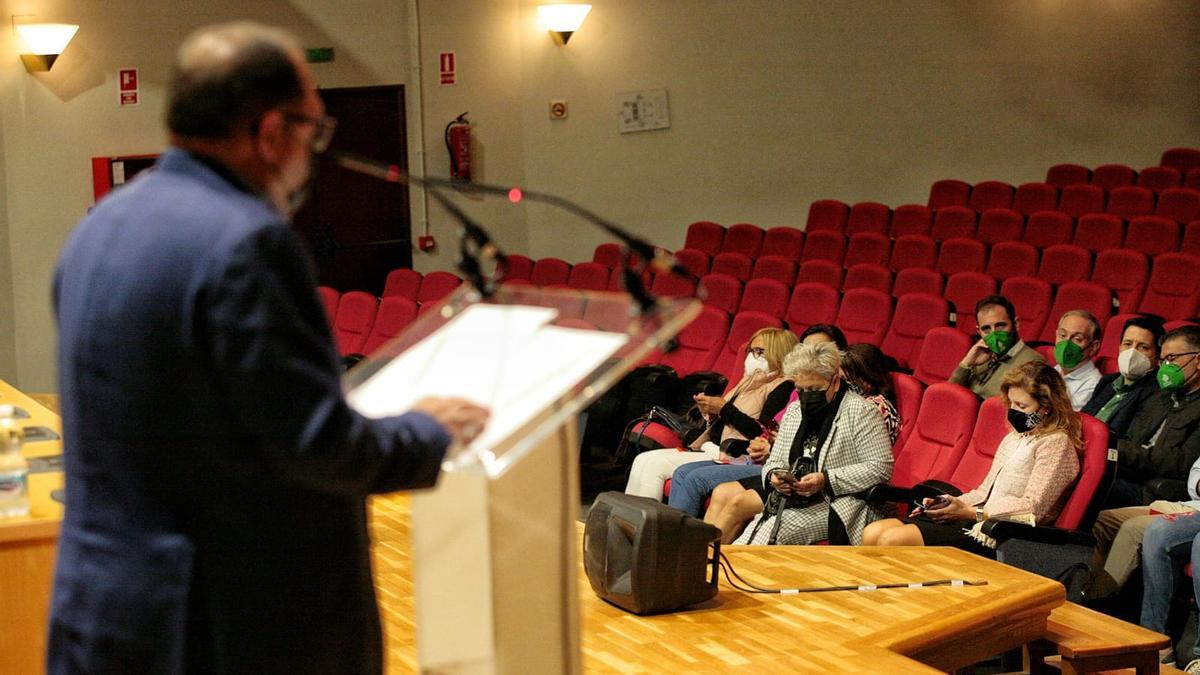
[[813, 403], [1023, 422]]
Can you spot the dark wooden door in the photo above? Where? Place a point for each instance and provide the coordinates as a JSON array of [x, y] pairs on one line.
[[358, 227]]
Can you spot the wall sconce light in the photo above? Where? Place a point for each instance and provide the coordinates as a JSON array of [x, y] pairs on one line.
[[563, 20], [45, 41]]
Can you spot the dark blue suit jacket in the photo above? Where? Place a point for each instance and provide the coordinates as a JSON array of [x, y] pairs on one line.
[[216, 478]]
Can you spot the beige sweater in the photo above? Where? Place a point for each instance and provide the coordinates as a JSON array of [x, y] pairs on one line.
[[1029, 474]]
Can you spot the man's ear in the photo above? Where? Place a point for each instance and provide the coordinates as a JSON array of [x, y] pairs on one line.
[[270, 143]]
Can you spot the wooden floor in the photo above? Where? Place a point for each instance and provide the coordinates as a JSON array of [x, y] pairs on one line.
[[873, 631]]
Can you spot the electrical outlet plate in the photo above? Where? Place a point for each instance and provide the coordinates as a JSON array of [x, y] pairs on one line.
[[644, 110]]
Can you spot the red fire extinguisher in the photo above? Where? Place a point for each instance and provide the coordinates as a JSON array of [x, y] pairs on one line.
[[458, 144]]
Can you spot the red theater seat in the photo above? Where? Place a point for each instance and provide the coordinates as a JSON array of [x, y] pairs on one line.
[[949, 192], [1159, 178], [1125, 272], [569, 302], [941, 351], [821, 272], [1181, 205], [403, 282], [827, 214], [868, 247], [997, 225], [589, 276], [913, 250], [964, 290], [517, 266], [991, 426], [864, 315], [953, 222], [961, 255], [1076, 200], [1191, 179], [1063, 263], [1034, 197], [916, 314], [868, 217], [783, 241], [737, 265], [991, 194], [437, 285], [940, 436], [394, 314], [1031, 297], [911, 219], [918, 280], [1112, 176], [355, 315], [699, 342], [1152, 235], [824, 245], [669, 285], [1047, 228], [695, 261], [744, 238], [766, 296], [1184, 159], [1012, 259], [608, 255], [1174, 287], [777, 267], [868, 275], [811, 304], [1062, 175], [1191, 239], [1130, 202], [721, 291], [550, 272], [909, 391], [1078, 295], [1098, 231], [704, 235]]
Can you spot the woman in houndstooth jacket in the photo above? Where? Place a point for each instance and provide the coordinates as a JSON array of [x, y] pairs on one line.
[[831, 446]]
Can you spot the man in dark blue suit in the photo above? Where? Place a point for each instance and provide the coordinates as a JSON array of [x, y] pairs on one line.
[[216, 478]]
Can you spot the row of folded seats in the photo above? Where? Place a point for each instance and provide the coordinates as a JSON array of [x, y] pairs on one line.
[[361, 322]]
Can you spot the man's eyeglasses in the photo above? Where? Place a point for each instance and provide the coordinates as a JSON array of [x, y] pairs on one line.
[[1170, 358], [323, 126]]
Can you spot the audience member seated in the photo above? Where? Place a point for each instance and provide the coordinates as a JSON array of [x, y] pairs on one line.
[[864, 370], [1028, 478], [1171, 542], [1077, 341], [1119, 396], [831, 446], [998, 350], [1119, 534], [741, 414], [1164, 438]]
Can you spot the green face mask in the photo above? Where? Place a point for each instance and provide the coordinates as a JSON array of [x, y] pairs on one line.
[[1068, 354], [1170, 377], [1000, 341]]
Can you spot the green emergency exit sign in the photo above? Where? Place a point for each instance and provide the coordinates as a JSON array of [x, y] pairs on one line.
[[319, 55]]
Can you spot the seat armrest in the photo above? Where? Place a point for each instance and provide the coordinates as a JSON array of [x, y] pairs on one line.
[[881, 493], [1003, 530]]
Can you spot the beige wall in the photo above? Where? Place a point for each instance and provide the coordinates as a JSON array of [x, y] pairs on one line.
[[773, 104]]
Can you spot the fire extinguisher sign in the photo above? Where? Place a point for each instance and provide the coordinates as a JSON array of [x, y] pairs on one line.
[[446, 68], [127, 83]]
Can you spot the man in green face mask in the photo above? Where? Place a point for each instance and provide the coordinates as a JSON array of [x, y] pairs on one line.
[[1164, 439], [998, 350], [1077, 341]]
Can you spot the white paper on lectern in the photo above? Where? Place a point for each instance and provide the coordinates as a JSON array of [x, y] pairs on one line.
[[509, 358]]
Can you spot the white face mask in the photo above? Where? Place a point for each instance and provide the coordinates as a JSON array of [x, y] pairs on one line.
[[1133, 364], [755, 363]]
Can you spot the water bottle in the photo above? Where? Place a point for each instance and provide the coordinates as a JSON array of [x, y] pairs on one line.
[[14, 469]]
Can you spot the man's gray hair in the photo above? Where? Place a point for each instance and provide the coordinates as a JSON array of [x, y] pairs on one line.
[[1088, 316], [820, 358]]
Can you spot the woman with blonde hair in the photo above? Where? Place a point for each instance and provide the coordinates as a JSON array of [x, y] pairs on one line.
[[742, 413], [1034, 465]]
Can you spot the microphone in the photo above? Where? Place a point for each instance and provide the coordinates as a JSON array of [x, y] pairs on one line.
[[657, 259]]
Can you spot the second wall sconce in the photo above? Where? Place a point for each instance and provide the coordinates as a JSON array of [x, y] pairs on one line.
[[44, 42], [563, 19]]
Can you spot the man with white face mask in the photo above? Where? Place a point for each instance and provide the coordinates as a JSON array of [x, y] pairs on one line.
[[1119, 396]]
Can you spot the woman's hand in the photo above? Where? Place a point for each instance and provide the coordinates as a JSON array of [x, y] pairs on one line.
[[810, 484], [759, 449], [710, 406], [783, 481], [953, 509]]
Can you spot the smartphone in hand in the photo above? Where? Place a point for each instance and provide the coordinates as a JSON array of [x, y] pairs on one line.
[[921, 507]]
